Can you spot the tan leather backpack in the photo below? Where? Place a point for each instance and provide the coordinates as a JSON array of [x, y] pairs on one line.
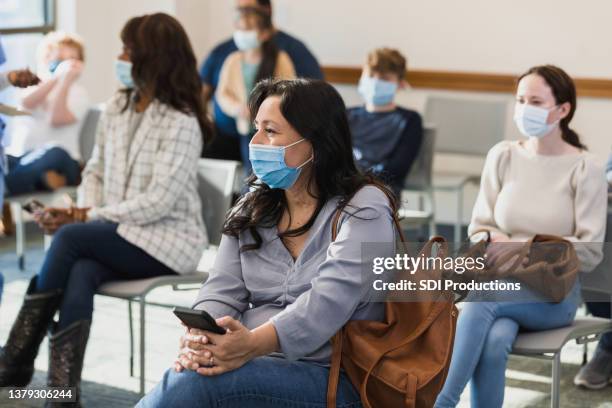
[[402, 361]]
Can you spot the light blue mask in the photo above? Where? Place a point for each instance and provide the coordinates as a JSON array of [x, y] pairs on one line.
[[246, 40], [532, 120], [269, 165], [54, 64], [377, 92], [123, 71]]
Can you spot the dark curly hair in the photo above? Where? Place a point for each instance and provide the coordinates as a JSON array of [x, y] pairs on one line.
[[317, 112], [163, 63]]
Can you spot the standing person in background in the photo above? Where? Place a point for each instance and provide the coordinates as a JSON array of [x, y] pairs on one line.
[[44, 152], [226, 144], [386, 137], [21, 79], [258, 58], [139, 214]]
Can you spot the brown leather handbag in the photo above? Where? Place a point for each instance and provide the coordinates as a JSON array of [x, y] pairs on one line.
[[401, 361], [546, 263]]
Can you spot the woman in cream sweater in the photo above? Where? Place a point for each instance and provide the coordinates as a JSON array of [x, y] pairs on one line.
[[257, 58], [547, 184]]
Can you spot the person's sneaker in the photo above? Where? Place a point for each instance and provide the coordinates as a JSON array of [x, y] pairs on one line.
[[596, 374]]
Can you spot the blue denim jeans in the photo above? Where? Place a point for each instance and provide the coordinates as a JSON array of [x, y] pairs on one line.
[[483, 341], [26, 172], [265, 382], [82, 257]]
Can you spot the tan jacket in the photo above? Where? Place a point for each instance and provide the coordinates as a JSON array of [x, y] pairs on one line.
[[231, 92]]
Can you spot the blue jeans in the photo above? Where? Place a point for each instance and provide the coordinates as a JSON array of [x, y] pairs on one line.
[[265, 382], [483, 341], [26, 173], [84, 256]]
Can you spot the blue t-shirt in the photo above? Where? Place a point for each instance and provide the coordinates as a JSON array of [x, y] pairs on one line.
[[386, 143], [305, 64]]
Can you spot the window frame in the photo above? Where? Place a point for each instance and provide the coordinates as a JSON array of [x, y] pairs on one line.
[[50, 13]]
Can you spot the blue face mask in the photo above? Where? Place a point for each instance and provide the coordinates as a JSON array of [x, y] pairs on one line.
[[532, 120], [54, 64], [246, 40], [377, 92], [269, 165], [123, 71]]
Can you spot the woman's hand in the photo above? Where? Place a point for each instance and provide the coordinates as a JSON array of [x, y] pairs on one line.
[[70, 70], [213, 354], [22, 78], [51, 219], [501, 248]]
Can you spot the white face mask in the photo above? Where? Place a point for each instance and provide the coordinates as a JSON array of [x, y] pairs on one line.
[[246, 40], [531, 120]]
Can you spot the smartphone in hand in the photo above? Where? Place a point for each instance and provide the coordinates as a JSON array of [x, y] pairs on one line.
[[198, 319]]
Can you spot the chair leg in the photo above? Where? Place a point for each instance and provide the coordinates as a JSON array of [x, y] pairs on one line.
[[131, 324], [432, 228], [47, 239], [19, 234], [459, 223], [556, 381], [585, 352], [142, 346]]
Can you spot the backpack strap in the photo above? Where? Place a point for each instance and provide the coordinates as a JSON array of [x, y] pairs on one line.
[[336, 359], [334, 370]]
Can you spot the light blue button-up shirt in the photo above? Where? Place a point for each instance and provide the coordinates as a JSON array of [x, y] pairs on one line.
[[310, 298]]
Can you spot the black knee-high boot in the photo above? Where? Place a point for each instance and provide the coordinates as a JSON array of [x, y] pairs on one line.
[[18, 354], [66, 353]]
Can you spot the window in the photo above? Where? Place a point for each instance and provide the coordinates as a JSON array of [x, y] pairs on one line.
[[26, 16], [22, 24]]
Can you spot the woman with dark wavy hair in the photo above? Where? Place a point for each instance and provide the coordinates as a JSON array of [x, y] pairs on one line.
[[280, 286], [138, 213]]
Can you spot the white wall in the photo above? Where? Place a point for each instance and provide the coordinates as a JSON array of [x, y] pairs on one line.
[[467, 35], [99, 23]]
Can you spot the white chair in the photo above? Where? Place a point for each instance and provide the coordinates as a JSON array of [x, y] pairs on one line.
[[87, 137], [419, 182], [216, 180], [468, 127]]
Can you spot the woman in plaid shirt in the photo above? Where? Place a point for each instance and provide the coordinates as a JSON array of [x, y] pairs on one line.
[[138, 213]]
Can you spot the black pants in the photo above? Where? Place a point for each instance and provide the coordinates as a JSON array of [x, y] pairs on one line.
[[83, 256], [602, 309]]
